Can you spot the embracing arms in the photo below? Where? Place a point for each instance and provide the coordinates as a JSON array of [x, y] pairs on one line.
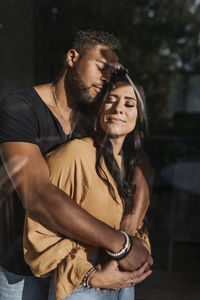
[[110, 276], [54, 208]]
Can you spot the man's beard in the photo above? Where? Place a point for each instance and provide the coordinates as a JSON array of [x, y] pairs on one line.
[[78, 89], [82, 103]]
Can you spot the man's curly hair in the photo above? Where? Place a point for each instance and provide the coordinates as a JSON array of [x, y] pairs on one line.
[[86, 40]]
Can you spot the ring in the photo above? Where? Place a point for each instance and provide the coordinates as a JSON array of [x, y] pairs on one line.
[[132, 282]]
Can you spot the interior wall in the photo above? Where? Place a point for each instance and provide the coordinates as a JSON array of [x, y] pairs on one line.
[[17, 44]]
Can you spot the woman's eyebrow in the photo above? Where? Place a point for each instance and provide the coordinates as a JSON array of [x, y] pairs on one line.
[[131, 98], [126, 97], [113, 95]]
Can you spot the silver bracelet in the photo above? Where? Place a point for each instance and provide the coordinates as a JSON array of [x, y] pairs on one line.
[[123, 250]]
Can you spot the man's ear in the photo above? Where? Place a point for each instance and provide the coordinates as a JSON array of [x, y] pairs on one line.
[[72, 57]]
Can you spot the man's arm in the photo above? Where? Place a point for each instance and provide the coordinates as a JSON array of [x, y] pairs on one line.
[[52, 206]]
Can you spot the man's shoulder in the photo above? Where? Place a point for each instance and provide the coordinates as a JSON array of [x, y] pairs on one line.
[[20, 95], [19, 92]]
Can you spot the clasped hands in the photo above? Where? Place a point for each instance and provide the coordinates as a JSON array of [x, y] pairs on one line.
[[137, 265]]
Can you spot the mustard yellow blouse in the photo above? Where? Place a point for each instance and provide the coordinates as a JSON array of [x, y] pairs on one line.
[[72, 169]]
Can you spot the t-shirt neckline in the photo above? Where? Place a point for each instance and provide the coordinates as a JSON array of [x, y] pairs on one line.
[[66, 136]]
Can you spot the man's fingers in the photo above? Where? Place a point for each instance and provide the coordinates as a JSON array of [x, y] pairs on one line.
[[98, 267]]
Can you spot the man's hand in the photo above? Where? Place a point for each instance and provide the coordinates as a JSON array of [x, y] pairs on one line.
[[137, 257]]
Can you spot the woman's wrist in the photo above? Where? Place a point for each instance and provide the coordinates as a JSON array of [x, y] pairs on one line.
[[88, 276], [94, 280]]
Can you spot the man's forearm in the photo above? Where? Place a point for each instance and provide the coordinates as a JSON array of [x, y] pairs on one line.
[[64, 215], [52, 206], [58, 211]]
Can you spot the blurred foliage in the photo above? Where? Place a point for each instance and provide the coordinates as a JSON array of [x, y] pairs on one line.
[[158, 38]]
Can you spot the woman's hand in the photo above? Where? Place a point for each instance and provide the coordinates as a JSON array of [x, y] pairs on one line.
[[110, 277]]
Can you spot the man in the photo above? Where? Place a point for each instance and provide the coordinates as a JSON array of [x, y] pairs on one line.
[[37, 119]]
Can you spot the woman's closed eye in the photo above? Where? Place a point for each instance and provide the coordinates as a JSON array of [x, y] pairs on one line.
[[130, 104], [111, 99]]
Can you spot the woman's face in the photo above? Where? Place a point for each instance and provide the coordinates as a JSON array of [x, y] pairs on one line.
[[119, 114]]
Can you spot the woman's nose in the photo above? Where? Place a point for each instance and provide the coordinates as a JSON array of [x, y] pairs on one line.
[[118, 107]]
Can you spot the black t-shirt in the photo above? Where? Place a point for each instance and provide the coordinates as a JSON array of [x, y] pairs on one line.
[[24, 117]]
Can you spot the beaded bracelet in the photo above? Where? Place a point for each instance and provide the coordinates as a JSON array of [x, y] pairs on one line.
[[87, 277], [124, 251]]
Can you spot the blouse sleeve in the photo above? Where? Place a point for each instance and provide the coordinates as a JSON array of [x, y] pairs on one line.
[[47, 252], [143, 235]]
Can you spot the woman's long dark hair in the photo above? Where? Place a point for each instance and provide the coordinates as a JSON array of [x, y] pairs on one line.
[[132, 144]]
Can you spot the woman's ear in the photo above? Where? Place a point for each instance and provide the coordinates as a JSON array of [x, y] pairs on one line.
[[72, 57]]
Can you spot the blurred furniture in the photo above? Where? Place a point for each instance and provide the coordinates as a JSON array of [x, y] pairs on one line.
[[184, 214]]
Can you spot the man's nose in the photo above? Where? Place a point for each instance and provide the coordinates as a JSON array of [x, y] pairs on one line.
[[106, 75]]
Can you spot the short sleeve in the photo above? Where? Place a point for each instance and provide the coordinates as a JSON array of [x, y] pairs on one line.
[[71, 169], [18, 121], [49, 254]]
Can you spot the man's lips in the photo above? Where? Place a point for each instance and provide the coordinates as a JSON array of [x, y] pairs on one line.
[[98, 87]]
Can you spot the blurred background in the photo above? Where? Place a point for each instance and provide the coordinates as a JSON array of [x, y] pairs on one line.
[[161, 48]]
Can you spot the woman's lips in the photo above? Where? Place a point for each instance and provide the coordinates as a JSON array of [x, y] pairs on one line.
[[115, 120]]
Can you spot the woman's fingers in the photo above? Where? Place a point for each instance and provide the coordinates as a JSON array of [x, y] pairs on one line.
[[111, 278], [145, 267], [141, 270], [139, 275], [133, 278], [112, 265]]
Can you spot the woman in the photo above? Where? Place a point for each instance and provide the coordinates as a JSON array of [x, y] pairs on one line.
[[98, 174]]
